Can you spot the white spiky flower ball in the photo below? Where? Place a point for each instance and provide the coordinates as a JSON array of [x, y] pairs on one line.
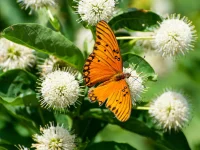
[[170, 111], [54, 138], [36, 4], [175, 36], [59, 89], [135, 83], [48, 65], [93, 11], [15, 56]]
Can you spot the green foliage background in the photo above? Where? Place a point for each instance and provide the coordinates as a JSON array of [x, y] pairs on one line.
[[18, 123]]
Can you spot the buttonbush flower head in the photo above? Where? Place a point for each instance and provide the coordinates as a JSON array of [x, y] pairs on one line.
[[93, 11], [175, 36], [48, 66], [54, 138], [36, 4], [135, 83], [59, 89], [171, 110], [15, 56]]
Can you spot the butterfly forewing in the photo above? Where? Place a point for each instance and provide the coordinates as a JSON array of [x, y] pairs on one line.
[[105, 60]]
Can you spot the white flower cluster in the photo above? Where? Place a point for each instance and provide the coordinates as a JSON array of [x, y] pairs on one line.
[[15, 56], [48, 66], [135, 83], [54, 138], [175, 36], [36, 4], [93, 11], [171, 111], [59, 89]]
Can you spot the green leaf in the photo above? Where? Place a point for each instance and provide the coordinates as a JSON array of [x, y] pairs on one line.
[[110, 146], [135, 19], [46, 40], [140, 64], [2, 148], [87, 129], [23, 120], [17, 83], [27, 100], [132, 124], [177, 140]]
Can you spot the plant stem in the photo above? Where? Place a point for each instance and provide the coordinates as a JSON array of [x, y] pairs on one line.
[[142, 108], [136, 38], [41, 116], [50, 15]]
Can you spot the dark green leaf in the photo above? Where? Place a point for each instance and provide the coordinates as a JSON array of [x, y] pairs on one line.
[[160, 145], [88, 128], [17, 83], [132, 124], [140, 65], [135, 19], [27, 100], [110, 146], [177, 140], [46, 40], [23, 120]]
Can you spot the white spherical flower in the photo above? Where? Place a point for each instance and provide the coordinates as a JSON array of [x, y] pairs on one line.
[[59, 90], [135, 83], [175, 36], [36, 4], [171, 111], [48, 66], [15, 56], [93, 11], [54, 138]]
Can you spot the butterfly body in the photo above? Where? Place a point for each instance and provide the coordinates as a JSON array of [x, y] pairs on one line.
[[104, 65], [121, 76]]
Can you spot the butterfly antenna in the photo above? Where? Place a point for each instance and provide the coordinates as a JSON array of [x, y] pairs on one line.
[[135, 79], [139, 63]]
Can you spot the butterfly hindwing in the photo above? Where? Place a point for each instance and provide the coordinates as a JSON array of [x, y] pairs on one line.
[[117, 95], [105, 60]]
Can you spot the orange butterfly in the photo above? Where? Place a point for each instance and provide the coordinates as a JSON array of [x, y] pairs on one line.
[[104, 65]]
